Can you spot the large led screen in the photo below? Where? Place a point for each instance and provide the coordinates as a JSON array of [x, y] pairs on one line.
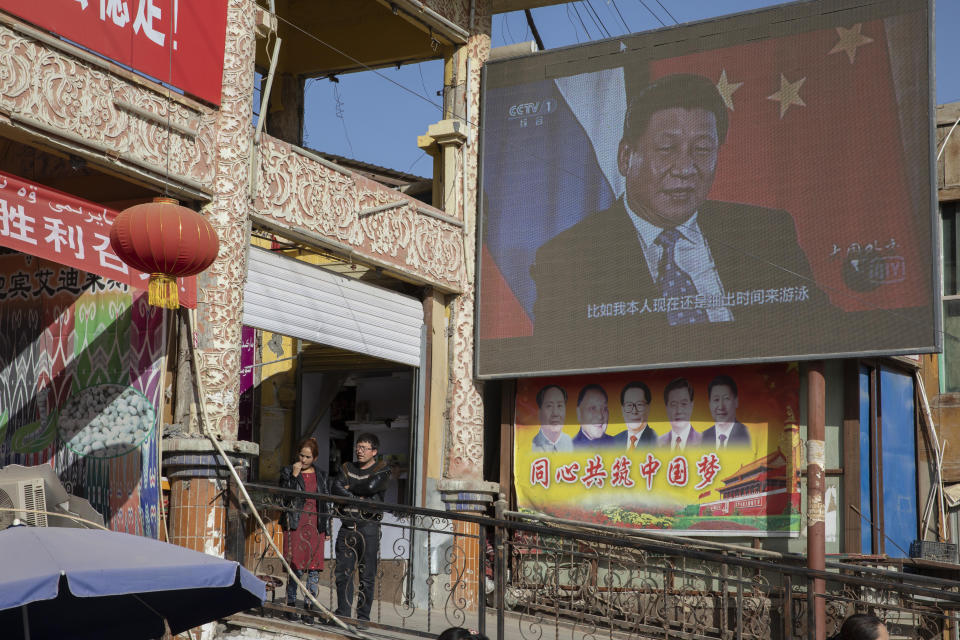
[[756, 187]]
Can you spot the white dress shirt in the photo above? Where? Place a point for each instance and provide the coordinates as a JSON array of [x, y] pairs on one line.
[[691, 254], [683, 439]]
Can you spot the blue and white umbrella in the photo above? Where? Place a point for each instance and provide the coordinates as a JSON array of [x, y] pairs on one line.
[[84, 583]]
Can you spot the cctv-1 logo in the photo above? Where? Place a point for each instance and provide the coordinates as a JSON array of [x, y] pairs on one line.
[[525, 111]]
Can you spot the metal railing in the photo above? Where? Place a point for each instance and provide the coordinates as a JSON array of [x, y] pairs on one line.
[[531, 577]]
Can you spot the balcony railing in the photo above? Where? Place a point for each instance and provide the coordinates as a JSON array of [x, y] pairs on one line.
[[516, 576]]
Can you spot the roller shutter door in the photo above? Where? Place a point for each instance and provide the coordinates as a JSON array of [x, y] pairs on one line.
[[303, 301]]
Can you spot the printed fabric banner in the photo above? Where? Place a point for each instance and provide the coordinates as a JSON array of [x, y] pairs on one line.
[[50, 224], [706, 451], [80, 389]]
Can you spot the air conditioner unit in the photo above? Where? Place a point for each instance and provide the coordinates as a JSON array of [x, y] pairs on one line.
[[37, 488], [28, 497]]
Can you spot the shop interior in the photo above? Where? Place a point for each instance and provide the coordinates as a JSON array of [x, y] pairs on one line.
[[338, 395]]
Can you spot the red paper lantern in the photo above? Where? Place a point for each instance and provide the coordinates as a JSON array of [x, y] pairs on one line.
[[167, 241]]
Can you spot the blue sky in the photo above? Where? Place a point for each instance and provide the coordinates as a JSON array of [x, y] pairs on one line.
[[376, 116]]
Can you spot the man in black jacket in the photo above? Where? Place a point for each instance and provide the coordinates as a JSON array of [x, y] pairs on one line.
[[359, 537]]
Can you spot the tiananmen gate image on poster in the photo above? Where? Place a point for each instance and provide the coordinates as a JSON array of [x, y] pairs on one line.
[[707, 451]]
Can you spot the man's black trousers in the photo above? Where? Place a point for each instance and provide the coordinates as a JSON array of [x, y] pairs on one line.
[[363, 543]]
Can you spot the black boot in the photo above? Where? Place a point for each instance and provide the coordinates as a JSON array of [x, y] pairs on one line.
[[290, 615]]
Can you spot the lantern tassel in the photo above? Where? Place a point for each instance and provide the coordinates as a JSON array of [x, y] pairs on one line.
[[163, 291]]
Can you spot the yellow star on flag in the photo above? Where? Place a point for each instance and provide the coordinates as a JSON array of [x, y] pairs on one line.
[[788, 94], [850, 39], [726, 89]]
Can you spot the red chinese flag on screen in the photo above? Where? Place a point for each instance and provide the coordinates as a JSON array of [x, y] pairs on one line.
[[814, 130]]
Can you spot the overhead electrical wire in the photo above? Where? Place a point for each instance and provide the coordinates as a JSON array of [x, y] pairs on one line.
[[675, 21], [338, 107], [357, 62], [592, 20], [506, 24], [597, 20], [423, 83], [625, 25], [416, 160], [576, 34], [576, 10], [662, 23]]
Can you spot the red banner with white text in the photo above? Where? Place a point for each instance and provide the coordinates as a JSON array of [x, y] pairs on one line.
[[180, 42], [49, 224]]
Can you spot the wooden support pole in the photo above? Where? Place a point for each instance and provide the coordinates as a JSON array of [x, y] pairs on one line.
[[816, 550]]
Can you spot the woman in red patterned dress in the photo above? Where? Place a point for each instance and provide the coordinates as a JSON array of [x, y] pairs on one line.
[[306, 524]]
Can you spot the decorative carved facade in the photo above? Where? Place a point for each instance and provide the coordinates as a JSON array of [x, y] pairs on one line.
[[46, 90], [297, 192], [221, 286], [465, 437], [75, 102]]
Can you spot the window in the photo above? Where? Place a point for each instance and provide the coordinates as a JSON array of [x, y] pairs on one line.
[[888, 461], [950, 361]]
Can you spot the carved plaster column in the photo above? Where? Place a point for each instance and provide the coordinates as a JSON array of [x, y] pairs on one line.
[[221, 286], [465, 433], [462, 489], [444, 143], [198, 475]]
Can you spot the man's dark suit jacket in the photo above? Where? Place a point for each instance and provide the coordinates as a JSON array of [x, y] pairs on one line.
[[739, 435], [581, 441], [599, 260]]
